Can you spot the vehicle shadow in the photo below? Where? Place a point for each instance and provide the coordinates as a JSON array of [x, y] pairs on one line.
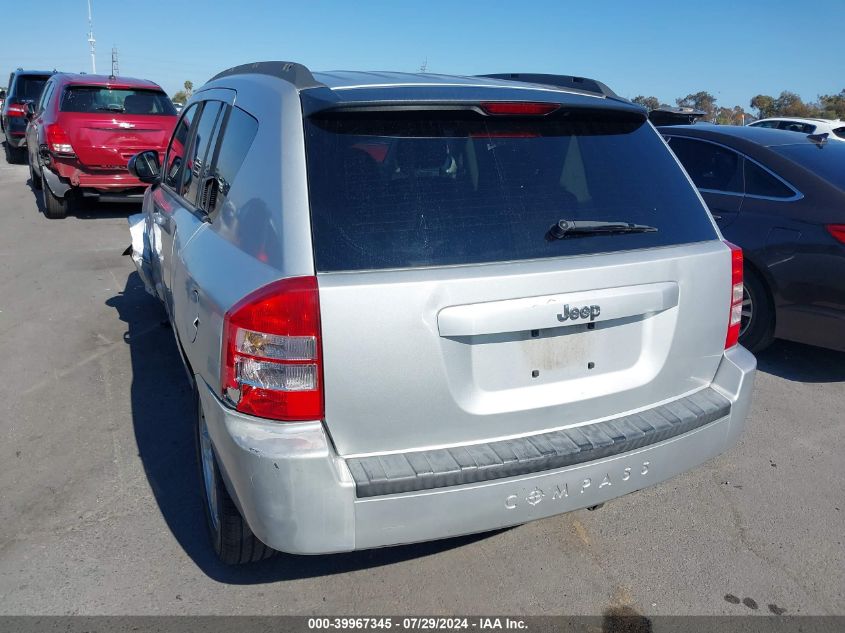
[[89, 209], [162, 417], [802, 363]]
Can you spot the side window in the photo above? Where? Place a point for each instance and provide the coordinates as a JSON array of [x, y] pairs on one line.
[[759, 182], [795, 126], [238, 135], [206, 129], [840, 132], [174, 160], [769, 124], [710, 166]]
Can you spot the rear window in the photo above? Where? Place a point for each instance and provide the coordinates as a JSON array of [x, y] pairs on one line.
[[826, 161], [399, 190], [103, 99], [29, 87]]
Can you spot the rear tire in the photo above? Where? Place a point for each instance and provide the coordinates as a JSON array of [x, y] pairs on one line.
[[14, 155], [759, 312], [37, 182], [54, 208], [232, 539]]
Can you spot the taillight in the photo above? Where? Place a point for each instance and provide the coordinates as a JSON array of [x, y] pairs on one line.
[[736, 296], [837, 231], [16, 109], [272, 358], [518, 108], [58, 141]]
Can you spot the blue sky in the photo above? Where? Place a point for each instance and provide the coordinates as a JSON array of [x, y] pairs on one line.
[[668, 49]]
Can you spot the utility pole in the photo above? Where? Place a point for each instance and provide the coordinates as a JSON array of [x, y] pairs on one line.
[[91, 40], [424, 65], [115, 70]]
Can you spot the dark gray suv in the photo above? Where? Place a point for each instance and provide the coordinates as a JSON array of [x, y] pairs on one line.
[[25, 87], [418, 306]]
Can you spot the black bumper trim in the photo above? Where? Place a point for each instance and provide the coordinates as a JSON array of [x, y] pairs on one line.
[[425, 470]]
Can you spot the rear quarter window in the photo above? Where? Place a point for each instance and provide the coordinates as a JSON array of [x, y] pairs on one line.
[[401, 190], [759, 182]]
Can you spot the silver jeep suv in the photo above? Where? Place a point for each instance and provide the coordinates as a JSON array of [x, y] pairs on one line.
[[418, 306]]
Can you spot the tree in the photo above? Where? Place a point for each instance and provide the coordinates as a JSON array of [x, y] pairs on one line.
[[790, 104], [179, 97], [700, 101], [189, 88], [832, 106], [765, 106], [730, 116], [650, 103]]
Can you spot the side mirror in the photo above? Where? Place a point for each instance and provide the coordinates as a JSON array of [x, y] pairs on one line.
[[29, 109], [145, 166]]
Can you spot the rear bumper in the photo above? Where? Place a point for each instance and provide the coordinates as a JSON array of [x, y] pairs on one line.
[[111, 181], [15, 131], [299, 496]]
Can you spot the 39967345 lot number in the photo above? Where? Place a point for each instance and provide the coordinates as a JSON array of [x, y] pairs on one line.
[[416, 623]]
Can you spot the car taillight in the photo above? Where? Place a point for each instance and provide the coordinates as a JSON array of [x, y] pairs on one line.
[[518, 108], [58, 141], [272, 358], [837, 231], [736, 296], [16, 109]]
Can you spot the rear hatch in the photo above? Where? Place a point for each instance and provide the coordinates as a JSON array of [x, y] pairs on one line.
[[28, 87], [452, 309], [108, 125]]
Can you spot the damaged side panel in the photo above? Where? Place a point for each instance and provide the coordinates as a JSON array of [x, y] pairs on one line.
[[141, 250]]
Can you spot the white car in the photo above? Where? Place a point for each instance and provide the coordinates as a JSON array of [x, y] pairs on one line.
[[834, 128]]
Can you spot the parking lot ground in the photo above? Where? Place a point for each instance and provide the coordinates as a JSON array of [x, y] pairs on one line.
[[100, 511]]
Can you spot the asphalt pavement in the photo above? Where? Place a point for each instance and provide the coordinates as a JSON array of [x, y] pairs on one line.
[[100, 511]]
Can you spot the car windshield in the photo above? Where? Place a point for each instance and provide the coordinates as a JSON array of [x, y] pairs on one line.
[[29, 87], [398, 190], [826, 160], [104, 99]]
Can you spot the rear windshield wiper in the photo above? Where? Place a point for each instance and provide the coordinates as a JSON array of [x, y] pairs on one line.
[[111, 108], [574, 228]]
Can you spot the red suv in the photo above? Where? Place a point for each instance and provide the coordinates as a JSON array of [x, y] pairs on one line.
[[83, 131]]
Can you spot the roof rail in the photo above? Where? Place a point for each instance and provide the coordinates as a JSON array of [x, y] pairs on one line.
[[297, 74], [559, 81]]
